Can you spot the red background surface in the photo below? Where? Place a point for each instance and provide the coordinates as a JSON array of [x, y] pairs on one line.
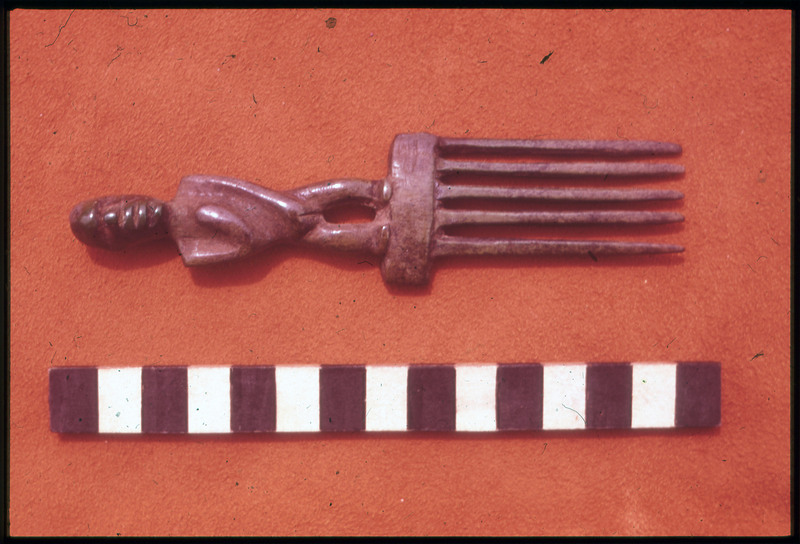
[[117, 101]]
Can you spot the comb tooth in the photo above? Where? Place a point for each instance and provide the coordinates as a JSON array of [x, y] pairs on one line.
[[445, 192], [453, 245], [479, 217], [559, 169], [615, 148]]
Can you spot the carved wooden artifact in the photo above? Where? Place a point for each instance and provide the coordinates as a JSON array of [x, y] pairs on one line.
[[214, 219]]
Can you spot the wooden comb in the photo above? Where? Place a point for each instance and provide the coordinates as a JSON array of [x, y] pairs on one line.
[[434, 186]]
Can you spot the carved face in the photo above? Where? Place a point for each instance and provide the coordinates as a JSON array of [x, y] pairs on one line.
[[116, 222]]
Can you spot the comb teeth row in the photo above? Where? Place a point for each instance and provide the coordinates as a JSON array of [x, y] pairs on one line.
[[502, 397], [448, 170]]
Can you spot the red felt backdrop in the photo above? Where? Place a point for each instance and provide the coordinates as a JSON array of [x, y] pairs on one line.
[[131, 101]]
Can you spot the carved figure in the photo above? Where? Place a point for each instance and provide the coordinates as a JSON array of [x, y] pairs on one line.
[[214, 219]]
